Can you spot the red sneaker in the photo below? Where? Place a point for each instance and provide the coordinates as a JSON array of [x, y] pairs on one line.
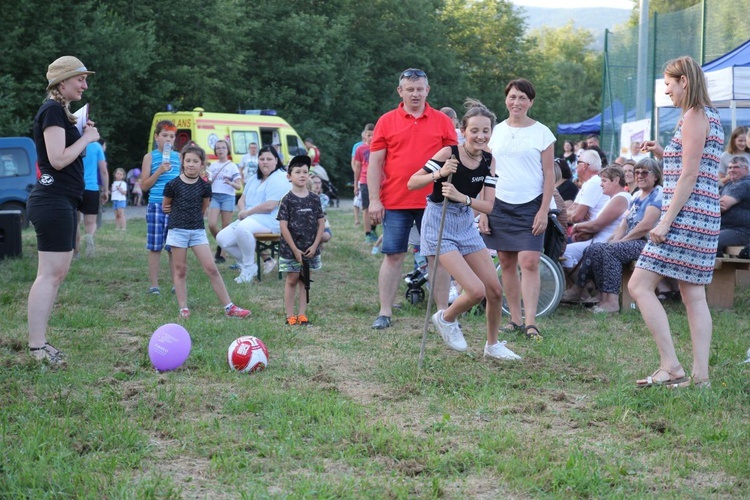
[[238, 312]]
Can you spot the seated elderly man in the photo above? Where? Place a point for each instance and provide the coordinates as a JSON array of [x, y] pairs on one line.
[[734, 202]]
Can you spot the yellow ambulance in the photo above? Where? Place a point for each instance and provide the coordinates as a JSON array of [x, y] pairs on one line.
[[262, 127]]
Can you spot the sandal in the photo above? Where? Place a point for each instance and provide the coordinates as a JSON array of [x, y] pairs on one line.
[[672, 382], [701, 383], [512, 328], [533, 335], [48, 354]]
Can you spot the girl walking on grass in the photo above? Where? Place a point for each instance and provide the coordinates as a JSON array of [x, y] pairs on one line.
[[186, 199], [119, 198]]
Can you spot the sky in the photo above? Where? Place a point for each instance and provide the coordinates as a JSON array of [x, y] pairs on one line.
[[617, 4]]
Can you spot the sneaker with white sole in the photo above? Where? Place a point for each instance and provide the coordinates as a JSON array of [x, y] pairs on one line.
[[268, 265], [499, 351], [237, 312], [450, 332], [248, 274], [184, 313]]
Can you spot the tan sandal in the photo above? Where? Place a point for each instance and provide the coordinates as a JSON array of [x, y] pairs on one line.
[[701, 383], [672, 382]]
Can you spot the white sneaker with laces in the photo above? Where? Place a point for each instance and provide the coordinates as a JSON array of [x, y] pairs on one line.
[[268, 265], [499, 351], [248, 274], [450, 332]]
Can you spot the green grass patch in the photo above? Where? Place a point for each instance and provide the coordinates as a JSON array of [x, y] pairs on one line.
[[341, 410]]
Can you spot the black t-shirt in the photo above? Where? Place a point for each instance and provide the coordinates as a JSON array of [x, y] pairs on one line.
[[466, 181], [187, 203], [302, 215], [68, 181]]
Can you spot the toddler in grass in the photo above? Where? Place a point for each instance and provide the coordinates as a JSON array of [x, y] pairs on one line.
[[119, 197], [186, 199], [302, 222]]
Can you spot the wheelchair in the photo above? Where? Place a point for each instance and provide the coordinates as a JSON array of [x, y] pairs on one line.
[[551, 274]]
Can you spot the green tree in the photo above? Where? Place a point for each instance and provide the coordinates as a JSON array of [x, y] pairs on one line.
[[567, 73]]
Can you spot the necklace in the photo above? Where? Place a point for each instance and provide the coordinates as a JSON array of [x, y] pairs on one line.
[[191, 178], [472, 156]]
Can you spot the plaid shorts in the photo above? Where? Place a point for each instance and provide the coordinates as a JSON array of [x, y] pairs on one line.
[[292, 266], [156, 227]]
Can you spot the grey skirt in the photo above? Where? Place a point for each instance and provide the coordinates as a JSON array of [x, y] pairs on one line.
[[510, 227], [459, 232]]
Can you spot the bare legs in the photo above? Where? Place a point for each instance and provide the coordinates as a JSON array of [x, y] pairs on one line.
[[642, 287], [526, 286], [52, 270]]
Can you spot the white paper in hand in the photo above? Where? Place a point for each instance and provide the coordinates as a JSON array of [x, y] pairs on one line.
[[82, 116]]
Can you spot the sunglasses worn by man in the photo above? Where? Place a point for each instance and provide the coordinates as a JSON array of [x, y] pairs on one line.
[[413, 73]]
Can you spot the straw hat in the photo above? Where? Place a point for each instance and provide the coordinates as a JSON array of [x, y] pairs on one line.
[[63, 68]]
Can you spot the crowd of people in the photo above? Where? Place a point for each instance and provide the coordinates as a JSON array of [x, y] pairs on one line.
[[485, 189]]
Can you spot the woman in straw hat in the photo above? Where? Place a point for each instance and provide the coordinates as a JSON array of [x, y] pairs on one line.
[[53, 204]]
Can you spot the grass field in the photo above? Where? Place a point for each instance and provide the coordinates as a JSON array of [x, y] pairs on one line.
[[341, 411]]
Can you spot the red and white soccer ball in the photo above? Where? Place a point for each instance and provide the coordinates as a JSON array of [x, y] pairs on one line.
[[247, 354]]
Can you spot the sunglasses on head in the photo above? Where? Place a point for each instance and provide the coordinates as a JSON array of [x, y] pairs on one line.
[[409, 73]]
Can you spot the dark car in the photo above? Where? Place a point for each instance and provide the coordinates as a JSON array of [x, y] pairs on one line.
[[17, 174]]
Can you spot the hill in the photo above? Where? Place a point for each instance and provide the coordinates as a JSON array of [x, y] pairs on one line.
[[595, 19]]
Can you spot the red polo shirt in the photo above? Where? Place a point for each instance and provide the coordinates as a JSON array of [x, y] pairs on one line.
[[409, 142]]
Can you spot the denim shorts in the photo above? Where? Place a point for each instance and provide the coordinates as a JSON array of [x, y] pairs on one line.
[[118, 204], [186, 238], [292, 266], [222, 201], [396, 227]]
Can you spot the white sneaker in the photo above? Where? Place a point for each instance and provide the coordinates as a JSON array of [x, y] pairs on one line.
[[499, 351], [453, 294], [268, 265], [450, 332], [247, 275]]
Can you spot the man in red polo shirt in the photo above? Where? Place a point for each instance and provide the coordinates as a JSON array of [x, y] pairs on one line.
[[403, 141]]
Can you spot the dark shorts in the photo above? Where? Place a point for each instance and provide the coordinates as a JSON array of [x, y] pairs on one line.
[[510, 227], [55, 221], [365, 192], [90, 203]]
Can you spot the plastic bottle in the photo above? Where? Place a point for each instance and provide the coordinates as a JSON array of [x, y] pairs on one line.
[[166, 153]]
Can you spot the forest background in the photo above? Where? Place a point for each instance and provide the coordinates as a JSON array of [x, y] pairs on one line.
[[328, 67]]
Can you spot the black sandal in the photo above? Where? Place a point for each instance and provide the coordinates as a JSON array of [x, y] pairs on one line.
[[512, 328], [48, 354], [533, 335]]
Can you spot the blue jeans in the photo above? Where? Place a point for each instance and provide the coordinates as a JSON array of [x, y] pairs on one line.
[[396, 227]]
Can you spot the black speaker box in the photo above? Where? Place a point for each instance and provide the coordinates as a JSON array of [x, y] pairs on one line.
[[10, 233]]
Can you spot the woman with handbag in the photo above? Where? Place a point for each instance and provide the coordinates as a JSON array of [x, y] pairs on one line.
[[225, 179]]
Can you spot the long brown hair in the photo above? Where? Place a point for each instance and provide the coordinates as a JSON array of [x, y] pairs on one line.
[[696, 91]]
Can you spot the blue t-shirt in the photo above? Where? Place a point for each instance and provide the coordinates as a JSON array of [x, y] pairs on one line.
[[94, 154], [354, 148], [638, 206], [156, 193]]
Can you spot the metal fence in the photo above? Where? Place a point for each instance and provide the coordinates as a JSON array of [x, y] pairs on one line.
[[705, 31]]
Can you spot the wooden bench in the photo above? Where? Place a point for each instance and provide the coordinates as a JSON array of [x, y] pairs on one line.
[[266, 242], [728, 272]]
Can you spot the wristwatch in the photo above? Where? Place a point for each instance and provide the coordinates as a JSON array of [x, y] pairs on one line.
[[468, 201]]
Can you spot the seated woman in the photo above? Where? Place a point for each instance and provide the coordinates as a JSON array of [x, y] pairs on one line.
[[599, 230], [258, 207], [603, 262]]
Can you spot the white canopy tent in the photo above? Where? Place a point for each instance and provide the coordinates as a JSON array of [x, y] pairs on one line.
[[728, 79]]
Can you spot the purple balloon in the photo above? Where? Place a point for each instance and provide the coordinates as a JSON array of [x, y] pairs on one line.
[[169, 347]]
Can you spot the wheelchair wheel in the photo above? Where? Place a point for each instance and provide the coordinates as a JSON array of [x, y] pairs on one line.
[[552, 286]]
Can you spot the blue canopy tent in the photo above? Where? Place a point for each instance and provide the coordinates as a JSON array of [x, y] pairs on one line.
[[594, 124], [728, 79]]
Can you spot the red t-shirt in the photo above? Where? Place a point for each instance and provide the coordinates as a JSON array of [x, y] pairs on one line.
[[409, 142], [362, 155]]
